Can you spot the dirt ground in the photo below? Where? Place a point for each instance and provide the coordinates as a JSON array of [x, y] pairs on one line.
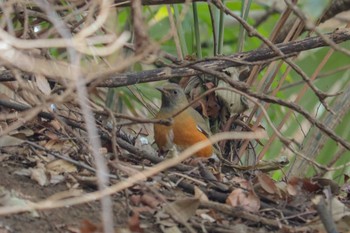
[[161, 202], [57, 220]]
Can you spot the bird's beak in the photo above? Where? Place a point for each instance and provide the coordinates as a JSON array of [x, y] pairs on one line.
[[161, 89]]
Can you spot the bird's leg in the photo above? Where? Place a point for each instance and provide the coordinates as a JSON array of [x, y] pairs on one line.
[[172, 152]]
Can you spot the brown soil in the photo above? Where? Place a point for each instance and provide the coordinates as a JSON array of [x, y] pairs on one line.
[[57, 220]]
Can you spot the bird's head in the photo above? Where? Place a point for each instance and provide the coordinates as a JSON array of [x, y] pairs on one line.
[[173, 98]]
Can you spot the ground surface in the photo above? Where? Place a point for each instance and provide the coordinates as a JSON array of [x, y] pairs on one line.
[[186, 198], [57, 220]]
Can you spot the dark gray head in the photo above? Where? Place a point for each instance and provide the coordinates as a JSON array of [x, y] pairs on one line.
[[173, 98]]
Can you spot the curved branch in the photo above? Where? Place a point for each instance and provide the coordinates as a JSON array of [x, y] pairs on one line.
[[261, 54], [124, 3]]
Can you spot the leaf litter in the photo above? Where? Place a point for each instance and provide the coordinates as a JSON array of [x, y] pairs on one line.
[[180, 199]]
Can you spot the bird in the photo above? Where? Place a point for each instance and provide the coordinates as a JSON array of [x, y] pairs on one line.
[[187, 128]]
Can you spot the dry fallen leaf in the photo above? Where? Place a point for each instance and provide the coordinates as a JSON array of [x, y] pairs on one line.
[[43, 84], [60, 166], [89, 227], [268, 184], [296, 185], [182, 209], [205, 215], [339, 212], [135, 199], [39, 175], [150, 200], [198, 193], [234, 102], [56, 125], [10, 141], [10, 198], [134, 223], [248, 200], [243, 183]]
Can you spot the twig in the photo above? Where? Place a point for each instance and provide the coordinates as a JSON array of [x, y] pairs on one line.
[[65, 158], [48, 204], [253, 32], [77, 75], [112, 80], [324, 213], [335, 7], [311, 26], [252, 56], [319, 76], [239, 213], [124, 3], [241, 89]]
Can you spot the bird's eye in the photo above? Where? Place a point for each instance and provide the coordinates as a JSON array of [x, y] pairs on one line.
[[175, 92]]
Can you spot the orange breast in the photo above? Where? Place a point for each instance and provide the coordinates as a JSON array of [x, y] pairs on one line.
[[185, 134], [162, 136]]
